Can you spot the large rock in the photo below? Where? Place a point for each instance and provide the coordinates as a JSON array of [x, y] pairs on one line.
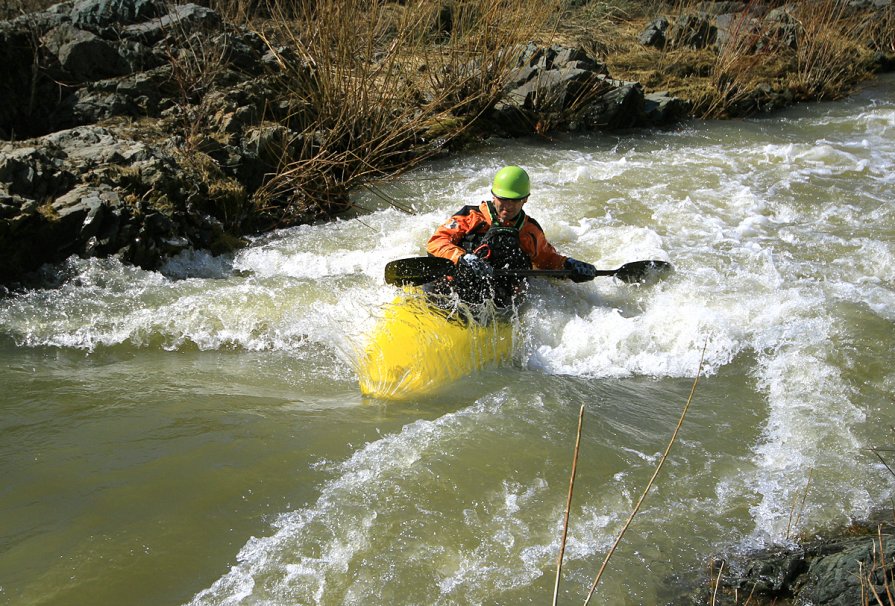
[[564, 88], [835, 572], [109, 13], [82, 55]]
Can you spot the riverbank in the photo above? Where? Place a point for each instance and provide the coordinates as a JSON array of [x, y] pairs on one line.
[[144, 130]]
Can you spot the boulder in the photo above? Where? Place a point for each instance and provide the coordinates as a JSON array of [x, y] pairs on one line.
[[692, 31], [565, 89], [830, 572], [110, 13], [83, 56], [655, 34]]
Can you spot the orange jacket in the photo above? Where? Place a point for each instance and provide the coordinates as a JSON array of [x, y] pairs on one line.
[[445, 241]]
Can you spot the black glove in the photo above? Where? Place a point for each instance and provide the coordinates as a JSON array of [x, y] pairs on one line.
[[583, 271], [476, 265]]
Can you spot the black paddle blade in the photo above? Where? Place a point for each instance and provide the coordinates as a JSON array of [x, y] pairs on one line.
[[414, 271], [643, 272]]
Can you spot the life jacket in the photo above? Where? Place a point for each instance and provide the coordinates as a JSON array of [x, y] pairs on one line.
[[499, 246]]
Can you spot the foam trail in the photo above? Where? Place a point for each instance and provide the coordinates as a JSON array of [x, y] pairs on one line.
[[334, 548]]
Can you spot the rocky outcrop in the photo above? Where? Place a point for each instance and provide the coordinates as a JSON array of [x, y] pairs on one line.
[[736, 27], [93, 96], [834, 572], [77, 191], [559, 88], [141, 129]]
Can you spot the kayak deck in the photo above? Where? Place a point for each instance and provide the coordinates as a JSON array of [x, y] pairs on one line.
[[416, 349]]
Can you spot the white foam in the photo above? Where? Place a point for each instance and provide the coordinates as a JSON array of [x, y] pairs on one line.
[[308, 555]]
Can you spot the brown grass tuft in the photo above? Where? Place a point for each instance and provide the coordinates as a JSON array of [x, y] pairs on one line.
[[386, 86]]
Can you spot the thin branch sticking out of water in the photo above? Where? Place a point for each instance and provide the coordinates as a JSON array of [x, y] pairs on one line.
[[649, 484], [565, 524]]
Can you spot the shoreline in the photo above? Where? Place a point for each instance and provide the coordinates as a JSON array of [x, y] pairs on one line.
[[139, 143]]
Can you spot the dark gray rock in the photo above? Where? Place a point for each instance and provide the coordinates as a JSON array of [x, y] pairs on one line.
[[565, 89], [83, 56], [738, 29], [619, 108], [662, 109], [141, 94], [842, 577], [655, 34], [692, 31], [838, 572], [33, 172], [107, 13], [181, 18]]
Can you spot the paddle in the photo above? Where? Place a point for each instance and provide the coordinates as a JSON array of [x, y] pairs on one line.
[[419, 270]]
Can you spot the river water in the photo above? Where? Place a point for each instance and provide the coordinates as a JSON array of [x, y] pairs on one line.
[[196, 435]]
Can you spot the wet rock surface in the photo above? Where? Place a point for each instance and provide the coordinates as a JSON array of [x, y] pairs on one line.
[[843, 571]]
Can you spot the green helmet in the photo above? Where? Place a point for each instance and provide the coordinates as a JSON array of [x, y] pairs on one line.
[[511, 182]]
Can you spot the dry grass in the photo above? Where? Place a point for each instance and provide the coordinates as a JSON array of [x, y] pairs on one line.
[[384, 87], [878, 575], [377, 87], [832, 53]]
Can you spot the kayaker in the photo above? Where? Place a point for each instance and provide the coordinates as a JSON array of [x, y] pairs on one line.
[[496, 234]]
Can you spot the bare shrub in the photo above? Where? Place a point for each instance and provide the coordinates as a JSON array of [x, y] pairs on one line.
[[383, 87], [196, 62], [814, 49], [831, 53], [877, 584]]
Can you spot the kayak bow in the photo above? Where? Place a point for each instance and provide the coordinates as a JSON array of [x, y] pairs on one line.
[[416, 349]]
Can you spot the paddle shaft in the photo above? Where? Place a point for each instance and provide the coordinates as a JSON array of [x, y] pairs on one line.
[[547, 273], [419, 270]]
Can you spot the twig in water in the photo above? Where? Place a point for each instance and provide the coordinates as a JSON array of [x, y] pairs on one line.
[[882, 557], [789, 524], [565, 523], [717, 584], [877, 451], [649, 484]]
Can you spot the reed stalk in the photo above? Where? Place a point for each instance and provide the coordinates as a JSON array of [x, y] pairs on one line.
[[649, 484], [717, 585], [565, 523], [798, 505], [878, 565], [830, 54]]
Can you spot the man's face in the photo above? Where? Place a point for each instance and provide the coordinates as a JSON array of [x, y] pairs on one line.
[[507, 209]]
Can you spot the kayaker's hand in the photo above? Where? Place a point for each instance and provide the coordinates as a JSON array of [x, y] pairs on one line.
[[583, 271], [475, 264]]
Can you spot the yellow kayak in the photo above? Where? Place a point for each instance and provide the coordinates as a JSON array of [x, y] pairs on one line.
[[416, 348]]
